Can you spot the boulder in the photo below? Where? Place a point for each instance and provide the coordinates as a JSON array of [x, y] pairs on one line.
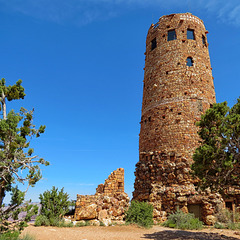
[[210, 220], [87, 213], [103, 214]]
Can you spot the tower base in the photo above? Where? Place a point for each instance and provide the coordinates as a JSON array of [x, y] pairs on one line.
[[165, 181]]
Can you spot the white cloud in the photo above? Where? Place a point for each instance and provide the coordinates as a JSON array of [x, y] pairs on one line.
[[225, 11], [87, 11]]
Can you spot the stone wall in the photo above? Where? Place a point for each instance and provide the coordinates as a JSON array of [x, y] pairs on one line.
[[109, 201], [175, 95], [114, 183]]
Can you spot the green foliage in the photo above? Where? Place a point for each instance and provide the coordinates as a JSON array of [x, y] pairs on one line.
[[17, 162], [227, 219], [55, 204], [140, 213], [64, 224], [219, 225], [87, 223], [183, 220], [10, 235], [80, 224], [27, 237], [42, 220], [102, 224], [224, 216], [216, 160], [15, 236], [11, 92]]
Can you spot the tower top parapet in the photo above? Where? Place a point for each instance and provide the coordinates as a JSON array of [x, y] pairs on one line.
[[178, 16]]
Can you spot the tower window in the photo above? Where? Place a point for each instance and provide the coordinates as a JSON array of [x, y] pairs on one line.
[[200, 105], [172, 35], [189, 62], [190, 34], [203, 39], [154, 44]]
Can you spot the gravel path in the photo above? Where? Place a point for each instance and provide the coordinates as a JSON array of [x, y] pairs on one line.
[[128, 233]]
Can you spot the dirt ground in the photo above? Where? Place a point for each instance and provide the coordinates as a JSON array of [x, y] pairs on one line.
[[128, 233]]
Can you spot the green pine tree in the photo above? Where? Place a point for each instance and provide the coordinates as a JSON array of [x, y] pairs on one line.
[[18, 164], [216, 160]]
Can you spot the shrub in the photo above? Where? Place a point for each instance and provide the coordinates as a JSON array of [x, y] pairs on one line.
[[87, 223], [27, 237], [15, 236], [226, 219], [55, 221], [42, 220], [80, 224], [10, 235], [219, 225], [140, 213], [224, 216], [65, 224], [54, 203], [183, 220]]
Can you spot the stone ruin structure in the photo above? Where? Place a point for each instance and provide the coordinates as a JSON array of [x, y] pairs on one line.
[[109, 202], [178, 89]]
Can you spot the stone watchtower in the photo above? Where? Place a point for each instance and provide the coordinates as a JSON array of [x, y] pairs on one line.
[[178, 88]]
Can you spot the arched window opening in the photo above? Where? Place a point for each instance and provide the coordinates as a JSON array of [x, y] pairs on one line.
[[189, 62], [172, 35], [190, 34]]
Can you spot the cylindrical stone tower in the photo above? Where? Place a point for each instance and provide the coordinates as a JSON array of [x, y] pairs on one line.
[[178, 88]]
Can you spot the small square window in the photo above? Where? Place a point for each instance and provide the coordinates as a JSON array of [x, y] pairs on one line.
[[189, 62], [190, 34], [154, 44], [172, 35]]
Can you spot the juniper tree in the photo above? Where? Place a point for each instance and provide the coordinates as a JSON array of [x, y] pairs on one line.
[[18, 164], [54, 205], [217, 159]]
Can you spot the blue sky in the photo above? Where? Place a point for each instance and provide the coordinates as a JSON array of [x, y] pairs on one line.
[[81, 62]]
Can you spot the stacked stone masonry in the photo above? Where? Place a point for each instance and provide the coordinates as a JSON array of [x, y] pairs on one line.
[[178, 88], [109, 202]]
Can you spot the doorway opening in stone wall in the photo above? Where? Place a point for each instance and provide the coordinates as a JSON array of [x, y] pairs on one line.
[[229, 205], [196, 209]]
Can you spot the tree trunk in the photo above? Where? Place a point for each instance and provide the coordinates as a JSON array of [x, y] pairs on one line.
[[2, 191], [4, 108], [2, 182]]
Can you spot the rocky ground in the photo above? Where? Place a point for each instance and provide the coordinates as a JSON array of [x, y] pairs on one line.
[[128, 233]]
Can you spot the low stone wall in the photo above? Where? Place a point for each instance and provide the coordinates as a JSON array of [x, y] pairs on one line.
[[109, 202]]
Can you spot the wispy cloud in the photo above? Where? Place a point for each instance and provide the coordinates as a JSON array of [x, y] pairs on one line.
[[86, 11], [225, 11]]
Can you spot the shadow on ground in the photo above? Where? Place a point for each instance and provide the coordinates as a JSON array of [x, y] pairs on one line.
[[185, 235]]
